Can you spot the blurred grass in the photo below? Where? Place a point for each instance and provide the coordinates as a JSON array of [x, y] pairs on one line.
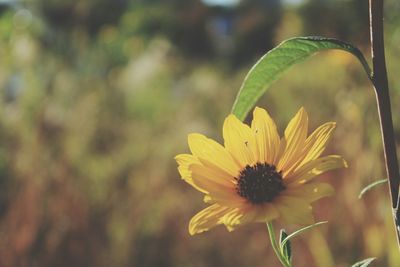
[[90, 123]]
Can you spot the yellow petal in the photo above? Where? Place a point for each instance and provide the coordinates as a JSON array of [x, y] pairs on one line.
[[266, 212], [310, 192], [317, 141], [240, 141], [266, 134], [229, 201], [208, 199], [210, 152], [295, 136], [249, 213], [206, 219], [282, 148], [184, 161], [216, 187], [314, 168], [294, 210], [259, 213], [213, 174], [232, 218]]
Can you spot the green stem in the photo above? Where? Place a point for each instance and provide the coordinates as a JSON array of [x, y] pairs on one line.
[[275, 245]]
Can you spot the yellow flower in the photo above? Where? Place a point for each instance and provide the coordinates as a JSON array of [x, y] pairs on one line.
[[258, 176]]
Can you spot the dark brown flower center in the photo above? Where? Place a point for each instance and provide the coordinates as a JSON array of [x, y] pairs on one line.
[[259, 183]]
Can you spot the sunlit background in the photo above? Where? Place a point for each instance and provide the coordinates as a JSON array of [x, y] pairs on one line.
[[98, 96]]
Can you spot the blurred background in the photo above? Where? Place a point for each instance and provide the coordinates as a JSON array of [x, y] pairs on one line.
[[98, 96]]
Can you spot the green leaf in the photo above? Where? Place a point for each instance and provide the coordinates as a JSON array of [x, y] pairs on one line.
[[286, 248], [295, 233], [363, 263], [370, 186], [273, 64]]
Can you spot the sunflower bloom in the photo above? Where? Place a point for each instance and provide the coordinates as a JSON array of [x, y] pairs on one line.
[[258, 176]]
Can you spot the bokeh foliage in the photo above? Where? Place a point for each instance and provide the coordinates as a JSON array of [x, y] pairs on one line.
[[97, 98]]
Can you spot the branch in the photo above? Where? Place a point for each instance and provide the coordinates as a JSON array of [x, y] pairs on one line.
[[380, 82]]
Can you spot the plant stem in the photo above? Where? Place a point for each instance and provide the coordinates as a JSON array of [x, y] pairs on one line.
[[380, 82], [275, 245]]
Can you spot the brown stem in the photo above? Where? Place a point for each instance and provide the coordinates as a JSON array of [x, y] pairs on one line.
[[380, 82]]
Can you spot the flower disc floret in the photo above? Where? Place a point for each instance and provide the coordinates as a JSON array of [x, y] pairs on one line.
[[259, 183]]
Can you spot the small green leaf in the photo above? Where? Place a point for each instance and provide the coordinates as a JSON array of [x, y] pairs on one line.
[[282, 235], [370, 186], [273, 64], [363, 263], [286, 248], [295, 233]]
